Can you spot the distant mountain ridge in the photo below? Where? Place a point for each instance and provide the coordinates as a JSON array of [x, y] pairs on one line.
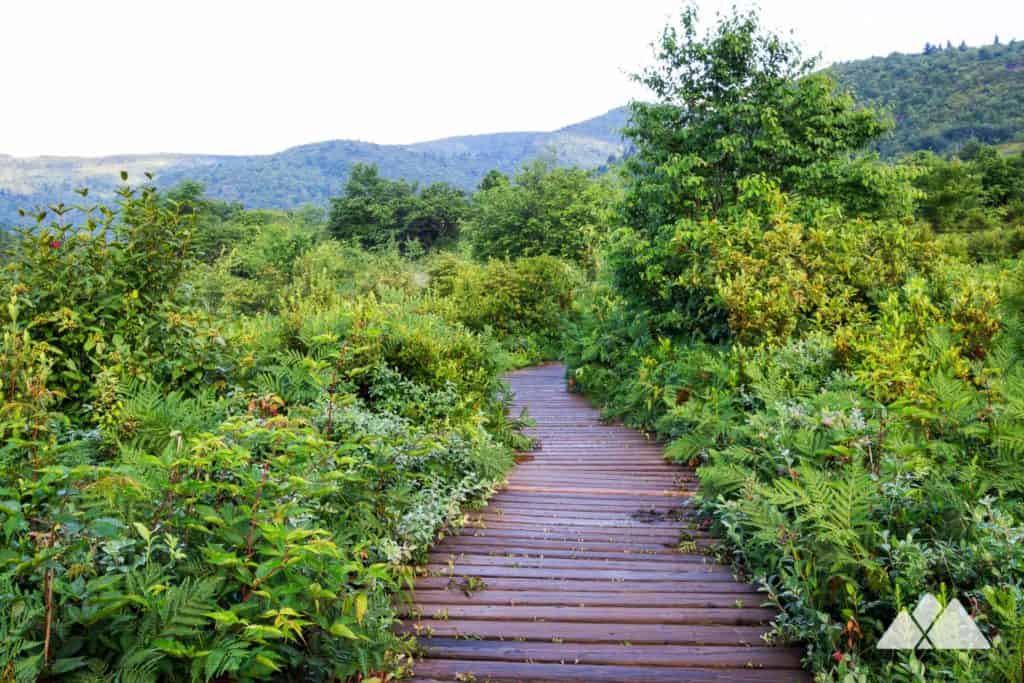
[[310, 173]]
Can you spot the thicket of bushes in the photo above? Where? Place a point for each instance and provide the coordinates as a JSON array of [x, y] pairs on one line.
[[780, 309], [226, 438]]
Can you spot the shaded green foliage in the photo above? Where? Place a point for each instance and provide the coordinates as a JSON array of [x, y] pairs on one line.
[[375, 211], [976, 190]]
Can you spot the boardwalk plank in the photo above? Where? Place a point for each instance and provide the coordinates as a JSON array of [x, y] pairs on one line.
[[444, 582], [633, 598], [708, 616], [700, 656], [576, 632], [507, 672]]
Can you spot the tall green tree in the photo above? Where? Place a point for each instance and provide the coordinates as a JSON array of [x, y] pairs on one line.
[[738, 122], [544, 210], [219, 225], [436, 217], [735, 102], [374, 211], [493, 178]]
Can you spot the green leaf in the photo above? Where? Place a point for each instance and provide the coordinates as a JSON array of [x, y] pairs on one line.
[[260, 632], [107, 527], [225, 617], [342, 631], [11, 507], [361, 604], [143, 531], [66, 664], [172, 647]]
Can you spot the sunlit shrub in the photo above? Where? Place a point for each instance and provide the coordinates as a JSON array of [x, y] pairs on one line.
[[525, 303]]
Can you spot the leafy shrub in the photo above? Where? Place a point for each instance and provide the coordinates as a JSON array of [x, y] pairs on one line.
[[196, 484], [525, 303], [94, 292], [544, 210], [985, 246]]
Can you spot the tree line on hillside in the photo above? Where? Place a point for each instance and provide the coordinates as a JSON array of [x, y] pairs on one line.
[[931, 48], [541, 210], [567, 212], [944, 98]]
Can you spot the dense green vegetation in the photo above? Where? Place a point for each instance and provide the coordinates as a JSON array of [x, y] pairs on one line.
[[228, 436], [375, 211], [973, 201], [836, 340], [945, 97]]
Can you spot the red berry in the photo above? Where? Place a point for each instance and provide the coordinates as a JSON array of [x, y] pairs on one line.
[[55, 244], [838, 656]]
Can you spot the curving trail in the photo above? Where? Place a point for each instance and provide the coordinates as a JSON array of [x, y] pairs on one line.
[[575, 570]]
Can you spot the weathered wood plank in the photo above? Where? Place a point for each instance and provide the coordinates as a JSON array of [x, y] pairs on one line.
[[521, 555], [708, 574], [506, 672], [538, 544], [700, 656], [444, 582], [576, 632], [632, 598], [707, 616]]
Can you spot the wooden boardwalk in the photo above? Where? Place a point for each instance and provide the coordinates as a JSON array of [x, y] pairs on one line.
[[585, 567]]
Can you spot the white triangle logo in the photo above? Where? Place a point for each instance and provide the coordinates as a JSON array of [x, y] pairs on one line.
[[902, 635], [955, 630], [932, 627]]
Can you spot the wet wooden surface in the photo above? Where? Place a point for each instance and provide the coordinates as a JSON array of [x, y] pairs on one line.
[[587, 567]]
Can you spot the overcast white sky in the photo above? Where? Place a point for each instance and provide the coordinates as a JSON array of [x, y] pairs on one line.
[[244, 77]]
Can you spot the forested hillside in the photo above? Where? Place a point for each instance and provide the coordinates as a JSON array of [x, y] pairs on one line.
[[945, 96]]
